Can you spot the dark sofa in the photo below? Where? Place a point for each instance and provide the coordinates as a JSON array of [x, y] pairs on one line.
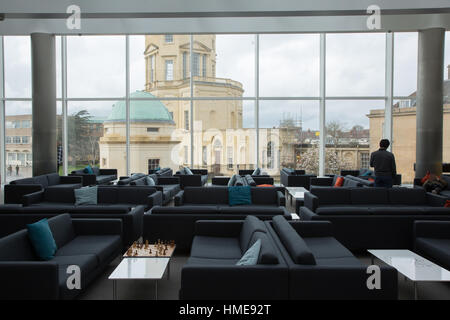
[[362, 173], [211, 271], [168, 185], [52, 183], [373, 218], [197, 179], [254, 180], [203, 203], [445, 192], [295, 178], [88, 243], [99, 177], [161, 172], [322, 268], [349, 181], [432, 241]]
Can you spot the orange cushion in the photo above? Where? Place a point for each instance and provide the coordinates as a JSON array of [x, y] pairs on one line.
[[447, 204], [371, 179], [424, 179], [265, 185], [339, 182]]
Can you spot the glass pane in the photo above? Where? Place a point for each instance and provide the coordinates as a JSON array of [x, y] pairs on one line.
[[355, 64], [95, 66], [289, 65], [18, 146], [156, 140], [353, 131], [224, 136], [17, 67], [405, 63], [288, 136], [85, 125]]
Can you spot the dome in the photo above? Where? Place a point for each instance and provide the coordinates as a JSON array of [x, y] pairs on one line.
[[141, 110]]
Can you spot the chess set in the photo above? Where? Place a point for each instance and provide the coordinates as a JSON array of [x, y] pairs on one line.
[[161, 249]]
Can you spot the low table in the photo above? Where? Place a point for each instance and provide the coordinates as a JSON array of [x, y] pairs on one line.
[[412, 266], [297, 194]]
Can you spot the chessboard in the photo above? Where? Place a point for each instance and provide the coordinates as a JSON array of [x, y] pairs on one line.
[[160, 249]]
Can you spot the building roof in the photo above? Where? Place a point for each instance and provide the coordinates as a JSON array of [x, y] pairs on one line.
[[141, 110]]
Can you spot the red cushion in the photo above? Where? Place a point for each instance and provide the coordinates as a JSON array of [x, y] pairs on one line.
[[424, 179], [447, 204], [371, 179], [339, 182], [265, 185]]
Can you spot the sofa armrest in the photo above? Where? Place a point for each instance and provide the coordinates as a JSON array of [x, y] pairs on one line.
[[31, 198], [155, 199], [29, 280], [313, 228], [432, 229], [307, 214], [281, 199], [218, 228], [108, 172], [97, 226], [321, 181], [311, 201], [168, 180], [14, 192], [417, 182], [179, 197], [88, 179], [70, 179], [435, 200]]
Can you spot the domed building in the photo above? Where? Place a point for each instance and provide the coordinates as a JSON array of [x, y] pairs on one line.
[[152, 135]]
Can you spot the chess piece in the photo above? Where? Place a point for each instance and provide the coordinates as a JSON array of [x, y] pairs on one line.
[[129, 252]]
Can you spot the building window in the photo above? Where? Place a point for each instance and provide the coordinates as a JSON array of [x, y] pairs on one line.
[[11, 157], [25, 140], [152, 129], [21, 158], [230, 158], [186, 154], [171, 115], [153, 164], [270, 155], [9, 124], [168, 38], [195, 64], [204, 65], [365, 160], [16, 140], [184, 65], [152, 68], [8, 140], [186, 120], [205, 155], [26, 124], [169, 70]]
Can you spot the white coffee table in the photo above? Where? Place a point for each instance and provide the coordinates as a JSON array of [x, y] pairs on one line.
[[140, 269], [297, 193], [412, 266]]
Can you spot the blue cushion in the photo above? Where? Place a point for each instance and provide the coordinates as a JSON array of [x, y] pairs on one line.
[[150, 181], [250, 257], [239, 195], [232, 181], [367, 173], [85, 195], [187, 171], [41, 238], [88, 170]]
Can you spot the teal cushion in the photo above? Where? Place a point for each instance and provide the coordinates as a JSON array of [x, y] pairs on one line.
[[85, 195], [188, 171], [367, 173], [150, 181], [239, 195], [232, 180], [250, 257], [42, 240], [88, 170]]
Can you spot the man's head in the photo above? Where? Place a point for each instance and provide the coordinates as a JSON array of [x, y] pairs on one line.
[[384, 143]]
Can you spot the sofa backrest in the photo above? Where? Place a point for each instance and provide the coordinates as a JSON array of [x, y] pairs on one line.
[[264, 196], [332, 195], [268, 253], [206, 195], [62, 229], [134, 195], [407, 196], [348, 182], [349, 173], [107, 194], [251, 225], [17, 247], [23, 181], [291, 240], [369, 196], [53, 179]]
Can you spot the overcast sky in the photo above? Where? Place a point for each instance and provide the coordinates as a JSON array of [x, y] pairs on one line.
[[289, 67]]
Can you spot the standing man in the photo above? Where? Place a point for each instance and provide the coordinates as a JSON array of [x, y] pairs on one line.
[[384, 163]]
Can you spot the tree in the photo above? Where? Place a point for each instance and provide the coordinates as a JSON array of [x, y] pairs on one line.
[[335, 132], [309, 161]]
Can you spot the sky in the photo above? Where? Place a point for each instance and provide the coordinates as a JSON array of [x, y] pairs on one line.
[[289, 67]]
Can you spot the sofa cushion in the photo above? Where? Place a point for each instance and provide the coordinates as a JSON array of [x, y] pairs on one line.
[[103, 179], [240, 181], [436, 249], [264, 196], [369, 196], [62, 229], [205, 195], [267, 253], [52, 179], [42, 180], [335, 262], [251, 209], [398, 210], [251, 225], [250, 180], [197, 209], [343, 210], [407, 196], [294, 244], [232, 180], [238, 195], [61, 193], [107, 195], [17, 247], [86, 196], [149, 181], [250, 257], [327, 247], [330, 195], [24, 181], [102, 246], [42, 240], [216, 248]]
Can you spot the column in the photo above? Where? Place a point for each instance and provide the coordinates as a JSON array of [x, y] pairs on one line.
[[429, 110], [44, 103]]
